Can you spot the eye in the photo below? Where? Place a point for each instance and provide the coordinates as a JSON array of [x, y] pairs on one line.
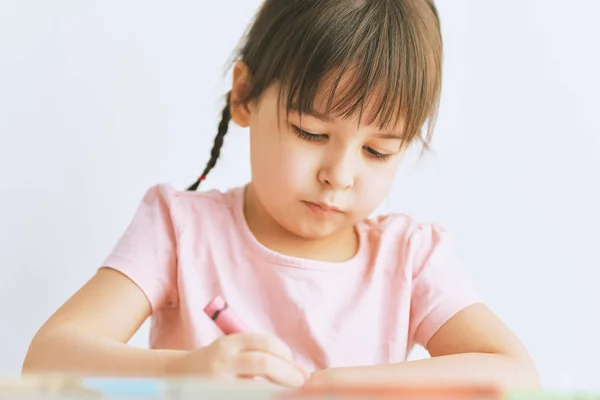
[[307, 135], [377, 155], [314, 137]]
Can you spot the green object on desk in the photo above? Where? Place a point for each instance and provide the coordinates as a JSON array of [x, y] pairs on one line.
[[552, 395]]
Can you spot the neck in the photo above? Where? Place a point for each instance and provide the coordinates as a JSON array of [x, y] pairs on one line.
[[272, 235]]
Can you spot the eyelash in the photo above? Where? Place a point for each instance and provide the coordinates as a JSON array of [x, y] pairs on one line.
[[311, 137]]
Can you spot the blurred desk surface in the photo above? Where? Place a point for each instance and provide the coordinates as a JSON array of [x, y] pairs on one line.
[[59, 387], [72, 388]]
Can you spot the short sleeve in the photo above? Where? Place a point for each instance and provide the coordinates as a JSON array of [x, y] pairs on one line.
[[441, 287], [146, 253]]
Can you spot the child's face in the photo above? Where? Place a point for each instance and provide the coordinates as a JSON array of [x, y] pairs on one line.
[[317, 176]]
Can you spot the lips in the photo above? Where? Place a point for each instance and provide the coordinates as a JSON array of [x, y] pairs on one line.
[[327, 207], [322, 208]]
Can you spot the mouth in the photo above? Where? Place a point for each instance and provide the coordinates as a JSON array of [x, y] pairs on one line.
[[323, 208]]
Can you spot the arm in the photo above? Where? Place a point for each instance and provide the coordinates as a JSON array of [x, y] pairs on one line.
[[88, 334], [473, 347]]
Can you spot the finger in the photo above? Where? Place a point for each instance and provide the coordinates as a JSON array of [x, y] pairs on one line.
[[266, 365], [260, 342]]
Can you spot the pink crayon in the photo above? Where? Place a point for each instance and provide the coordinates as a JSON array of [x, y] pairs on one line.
[[219, 311], [226, 319]]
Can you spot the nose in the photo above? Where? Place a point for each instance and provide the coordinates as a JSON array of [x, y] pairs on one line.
[[338, 171]]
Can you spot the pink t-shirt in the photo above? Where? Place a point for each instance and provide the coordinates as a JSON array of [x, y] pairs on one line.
[[183, 248]]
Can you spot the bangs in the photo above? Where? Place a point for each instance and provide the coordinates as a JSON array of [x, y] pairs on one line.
[[375, 61], [370, 60]]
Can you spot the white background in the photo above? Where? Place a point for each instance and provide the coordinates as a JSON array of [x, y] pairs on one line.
[[101, 99]]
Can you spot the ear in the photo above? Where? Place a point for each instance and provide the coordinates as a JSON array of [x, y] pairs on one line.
[[240, 111]]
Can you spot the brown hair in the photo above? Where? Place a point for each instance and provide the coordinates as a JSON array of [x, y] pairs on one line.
[[391, 48]]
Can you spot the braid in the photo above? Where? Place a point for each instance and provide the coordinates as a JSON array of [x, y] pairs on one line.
[[218, 143]]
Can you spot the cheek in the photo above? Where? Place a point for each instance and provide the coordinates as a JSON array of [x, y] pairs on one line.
[[375, 187], [297, 163], [277, 160]]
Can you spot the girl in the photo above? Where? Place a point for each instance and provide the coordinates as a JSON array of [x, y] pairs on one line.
[[333, 92]]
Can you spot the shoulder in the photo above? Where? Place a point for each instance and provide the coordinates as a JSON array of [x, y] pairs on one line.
[[415, 243], [403, 228], [165, 195], [182, 206]]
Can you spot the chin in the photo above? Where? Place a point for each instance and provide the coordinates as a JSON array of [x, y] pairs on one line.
[[308, 231]]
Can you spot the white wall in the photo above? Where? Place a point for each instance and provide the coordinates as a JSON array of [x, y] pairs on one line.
[[101, 99]]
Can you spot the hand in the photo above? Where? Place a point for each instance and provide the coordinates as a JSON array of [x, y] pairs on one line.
[[244, 355]]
